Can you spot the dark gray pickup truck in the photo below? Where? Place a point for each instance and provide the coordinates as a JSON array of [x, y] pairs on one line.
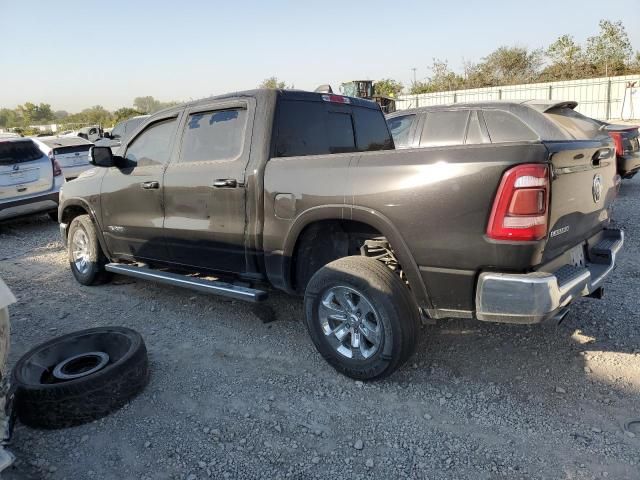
[[305, 192]]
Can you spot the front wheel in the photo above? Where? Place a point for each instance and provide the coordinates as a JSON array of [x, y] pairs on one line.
[[361, 317], [86, 258]]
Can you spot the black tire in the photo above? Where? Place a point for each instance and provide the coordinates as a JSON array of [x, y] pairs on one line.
[[392, 301], [53, 215], [43, 401], [95, 273]]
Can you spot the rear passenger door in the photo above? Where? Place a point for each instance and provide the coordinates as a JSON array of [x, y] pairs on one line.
[[204, 188]]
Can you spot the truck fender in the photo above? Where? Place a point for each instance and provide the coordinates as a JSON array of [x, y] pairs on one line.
[[347, 212], [79, 202]]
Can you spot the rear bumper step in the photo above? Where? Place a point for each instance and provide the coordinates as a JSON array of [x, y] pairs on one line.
[[539, 296], [214, 287]]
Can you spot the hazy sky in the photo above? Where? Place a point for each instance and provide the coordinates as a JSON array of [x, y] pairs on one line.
[[75, 54]]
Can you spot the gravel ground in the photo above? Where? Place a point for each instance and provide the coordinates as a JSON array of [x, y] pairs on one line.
[[232, 397]]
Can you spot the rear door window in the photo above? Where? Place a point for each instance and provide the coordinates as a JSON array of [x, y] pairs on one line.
[[214, 135], [506, 127], [320, 128], [443, 128], [400, 128], [18, 152], [340, 133], [574, 123]]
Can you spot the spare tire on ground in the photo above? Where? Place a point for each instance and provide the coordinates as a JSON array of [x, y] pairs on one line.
[[80, 377]]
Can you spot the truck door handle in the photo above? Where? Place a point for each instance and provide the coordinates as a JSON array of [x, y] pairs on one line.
[[150, 185], [225, 183]]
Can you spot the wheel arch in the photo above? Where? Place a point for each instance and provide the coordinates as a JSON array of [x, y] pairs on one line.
[[344, 215], [75, 207]]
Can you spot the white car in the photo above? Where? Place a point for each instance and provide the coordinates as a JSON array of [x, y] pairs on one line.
[[72, 153], [29, 180], [92, 133]]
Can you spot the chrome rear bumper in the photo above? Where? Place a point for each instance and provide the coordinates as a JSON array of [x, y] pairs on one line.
[[538, 296]]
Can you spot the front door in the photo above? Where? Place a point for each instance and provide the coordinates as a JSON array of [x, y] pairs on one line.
[[132, 210], [204, 189]]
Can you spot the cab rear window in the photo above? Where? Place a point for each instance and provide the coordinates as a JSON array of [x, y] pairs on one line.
[[18, 152], [319, 128]]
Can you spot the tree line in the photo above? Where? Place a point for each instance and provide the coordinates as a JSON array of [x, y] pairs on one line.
[[21, 118], [609, 53]]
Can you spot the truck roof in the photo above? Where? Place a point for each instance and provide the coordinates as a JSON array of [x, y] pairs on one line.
[[270, 95]]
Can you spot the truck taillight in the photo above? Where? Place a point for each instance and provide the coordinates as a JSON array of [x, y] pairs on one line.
[[521, 207], [617, 140]]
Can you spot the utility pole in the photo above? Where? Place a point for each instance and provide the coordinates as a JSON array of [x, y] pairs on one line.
[[414, 83]]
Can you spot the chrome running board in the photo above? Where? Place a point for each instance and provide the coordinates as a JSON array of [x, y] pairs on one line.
[[214, 287]]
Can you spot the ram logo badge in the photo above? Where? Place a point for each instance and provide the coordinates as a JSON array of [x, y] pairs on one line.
[[596, 189]]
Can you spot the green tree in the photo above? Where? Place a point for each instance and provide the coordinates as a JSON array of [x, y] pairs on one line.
[[146, 105], [564, 51], [507, 66], [388, 87], [442, 79], [610, 51], [273, 82], [8, 118], [94, 115], [566, 60], [32, 114], [125, 113]]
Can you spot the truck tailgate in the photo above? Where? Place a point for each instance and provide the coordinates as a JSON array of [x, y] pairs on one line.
[[583, 186]]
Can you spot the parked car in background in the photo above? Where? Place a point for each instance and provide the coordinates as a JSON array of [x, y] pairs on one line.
[[503, 222], [627, 141], [489, 122], [120, 133], [71, 153], [91, 133], [30, 181]]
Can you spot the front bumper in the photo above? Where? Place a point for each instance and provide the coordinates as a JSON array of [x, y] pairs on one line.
[[539, 296]]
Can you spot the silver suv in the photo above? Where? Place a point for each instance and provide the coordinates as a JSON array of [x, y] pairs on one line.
[[29, 180]]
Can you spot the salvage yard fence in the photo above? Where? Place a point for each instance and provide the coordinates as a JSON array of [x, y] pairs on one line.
[[609, 98]]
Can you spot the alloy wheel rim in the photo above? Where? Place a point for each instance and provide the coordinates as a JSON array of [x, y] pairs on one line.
[[80, 251], [350, 323]]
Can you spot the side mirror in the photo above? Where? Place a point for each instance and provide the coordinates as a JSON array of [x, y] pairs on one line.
[[101, 157], [106, 135]]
